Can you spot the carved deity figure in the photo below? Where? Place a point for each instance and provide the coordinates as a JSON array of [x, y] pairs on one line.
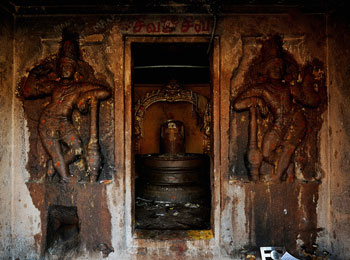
[[277, 94], [59, 137]]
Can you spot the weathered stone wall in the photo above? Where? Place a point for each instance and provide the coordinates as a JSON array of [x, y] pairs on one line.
[[6, 96], [338, 211], [243, 212], [288, 217], [36, 42], [25, 216]]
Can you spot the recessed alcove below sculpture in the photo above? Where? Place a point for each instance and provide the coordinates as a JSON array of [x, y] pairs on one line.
[[63, 230]]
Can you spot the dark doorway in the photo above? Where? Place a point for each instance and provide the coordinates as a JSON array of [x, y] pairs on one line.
[[171, 100]]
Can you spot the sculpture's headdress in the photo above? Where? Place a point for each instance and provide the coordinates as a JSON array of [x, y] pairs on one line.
[[272, 48], [69, 46]]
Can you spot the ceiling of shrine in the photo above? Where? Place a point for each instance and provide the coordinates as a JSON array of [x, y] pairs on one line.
[[51, 7]]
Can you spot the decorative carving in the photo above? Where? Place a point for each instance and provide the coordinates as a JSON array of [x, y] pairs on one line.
[[173, 92], [278, 94], [65, 81]]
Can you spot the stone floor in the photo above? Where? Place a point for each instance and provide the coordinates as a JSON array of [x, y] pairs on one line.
[[151, 215]]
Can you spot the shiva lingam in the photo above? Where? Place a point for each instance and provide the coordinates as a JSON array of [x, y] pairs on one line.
[[173, 175]]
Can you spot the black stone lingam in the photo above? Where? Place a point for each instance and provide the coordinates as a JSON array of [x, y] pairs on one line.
[[173, 175]]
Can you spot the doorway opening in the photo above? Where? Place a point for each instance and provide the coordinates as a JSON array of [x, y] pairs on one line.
[[172, 135]]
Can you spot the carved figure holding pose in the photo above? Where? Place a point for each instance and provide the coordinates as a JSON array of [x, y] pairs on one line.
[[55, 126], [284, 100]]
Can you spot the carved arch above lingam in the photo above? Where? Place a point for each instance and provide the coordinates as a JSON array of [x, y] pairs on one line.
[[173, 92]]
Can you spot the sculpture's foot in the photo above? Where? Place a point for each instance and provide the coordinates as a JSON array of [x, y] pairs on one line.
[[290, 173], [67, 179], [255, 178], [50, 169], [83, 179], [275, 180], [93, 178]]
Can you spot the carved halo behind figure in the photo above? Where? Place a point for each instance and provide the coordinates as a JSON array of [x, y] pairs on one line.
[[172, 92]]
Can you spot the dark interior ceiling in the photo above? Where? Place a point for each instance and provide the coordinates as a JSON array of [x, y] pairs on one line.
[[51, 7], [157, 63]]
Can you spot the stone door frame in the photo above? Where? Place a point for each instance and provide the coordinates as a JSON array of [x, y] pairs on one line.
[[132, 238]]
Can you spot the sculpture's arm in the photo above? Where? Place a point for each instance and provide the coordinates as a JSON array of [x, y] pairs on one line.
[[97, 90], [305, 93], [252, 97], [38, 83], [90, 92], [248, 103], [252, 92]]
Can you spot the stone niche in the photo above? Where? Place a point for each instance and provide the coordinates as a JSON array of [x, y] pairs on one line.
[[70, 121], [276, 116], [62, 229]]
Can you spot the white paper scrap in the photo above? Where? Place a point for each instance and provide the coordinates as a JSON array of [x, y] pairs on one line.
[[288, 256]]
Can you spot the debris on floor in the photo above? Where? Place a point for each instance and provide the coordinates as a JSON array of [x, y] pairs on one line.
[[158, 215]]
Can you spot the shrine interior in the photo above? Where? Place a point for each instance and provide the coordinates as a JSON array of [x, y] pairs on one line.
[[204, 129], [155, 65]]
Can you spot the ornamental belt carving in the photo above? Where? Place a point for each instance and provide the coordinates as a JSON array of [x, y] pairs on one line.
[[173, 92]]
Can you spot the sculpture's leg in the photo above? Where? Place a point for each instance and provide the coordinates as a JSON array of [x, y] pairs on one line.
[[53, 148], [293, 137], [283, 162], [270, 142], [50, 169], [75, 147], [75, 152], [290, 173]]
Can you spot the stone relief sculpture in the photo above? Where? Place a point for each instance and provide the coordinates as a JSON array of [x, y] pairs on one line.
[[68, 90], [279, 94]]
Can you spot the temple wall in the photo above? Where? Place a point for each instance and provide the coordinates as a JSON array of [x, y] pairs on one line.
[[338, 208], [6, 83], [246, 215]]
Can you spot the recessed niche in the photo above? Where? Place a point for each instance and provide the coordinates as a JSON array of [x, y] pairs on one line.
[[63, 237], [171, 135]]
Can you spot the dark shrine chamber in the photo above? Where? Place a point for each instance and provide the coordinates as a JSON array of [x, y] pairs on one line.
[[171, 90]]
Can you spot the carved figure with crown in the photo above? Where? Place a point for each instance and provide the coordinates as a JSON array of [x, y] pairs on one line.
[[69, 88], [278, 90]]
